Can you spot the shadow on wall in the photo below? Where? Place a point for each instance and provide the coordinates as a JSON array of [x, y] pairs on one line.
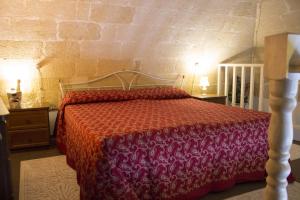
[[242, 57], [251, 55]]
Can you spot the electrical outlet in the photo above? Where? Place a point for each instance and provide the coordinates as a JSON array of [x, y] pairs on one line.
[[137, 65]]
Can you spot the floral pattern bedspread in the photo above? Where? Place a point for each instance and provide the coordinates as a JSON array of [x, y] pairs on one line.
[[161, 148]]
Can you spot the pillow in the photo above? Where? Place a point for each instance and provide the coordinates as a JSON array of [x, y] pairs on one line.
[[158, 93], [90, 96]]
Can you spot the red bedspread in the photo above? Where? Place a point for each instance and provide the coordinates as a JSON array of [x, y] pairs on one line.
[[161, 148]]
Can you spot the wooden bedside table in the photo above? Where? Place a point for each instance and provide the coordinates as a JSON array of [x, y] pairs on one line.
[[28, 127], [5, 175], [211, 98]]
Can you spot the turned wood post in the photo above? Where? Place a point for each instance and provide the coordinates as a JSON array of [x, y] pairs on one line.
[[282, 69]]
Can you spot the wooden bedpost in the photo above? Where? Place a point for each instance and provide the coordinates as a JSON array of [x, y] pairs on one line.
[[282, 69]]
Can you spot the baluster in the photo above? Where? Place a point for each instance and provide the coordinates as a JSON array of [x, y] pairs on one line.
[[219, 80], [226, 84], [242, 103], [251, 93], [261, 89], [233, 94], [280, 136]]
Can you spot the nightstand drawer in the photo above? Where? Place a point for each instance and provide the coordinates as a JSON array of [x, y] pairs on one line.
[[28, 119], [219, 100], [211, 98], [29, 138]]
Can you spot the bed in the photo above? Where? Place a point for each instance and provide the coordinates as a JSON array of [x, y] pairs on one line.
[[158, 143]]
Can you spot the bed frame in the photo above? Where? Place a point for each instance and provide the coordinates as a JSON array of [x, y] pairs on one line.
[[282, 70], [123, 83]]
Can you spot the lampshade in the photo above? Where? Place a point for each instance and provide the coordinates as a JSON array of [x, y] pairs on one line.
[[204, 82], [12, 70]]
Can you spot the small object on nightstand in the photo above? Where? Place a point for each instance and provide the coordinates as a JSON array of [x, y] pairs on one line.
[[214, 98], [28, 126], [15, 96]]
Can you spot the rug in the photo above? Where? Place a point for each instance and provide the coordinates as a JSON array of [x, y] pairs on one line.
[[48, 179], [52, 179]]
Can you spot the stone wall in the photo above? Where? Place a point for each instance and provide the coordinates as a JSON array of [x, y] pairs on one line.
[[277, 16], [81, 39]]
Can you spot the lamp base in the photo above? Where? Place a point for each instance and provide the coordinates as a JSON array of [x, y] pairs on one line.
[[203, 90]]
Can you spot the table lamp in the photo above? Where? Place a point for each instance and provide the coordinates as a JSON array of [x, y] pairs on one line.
[[204, 83]]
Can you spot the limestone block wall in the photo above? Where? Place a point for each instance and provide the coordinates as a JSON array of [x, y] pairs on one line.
[[280, 16], [81, 39], [277, 16]]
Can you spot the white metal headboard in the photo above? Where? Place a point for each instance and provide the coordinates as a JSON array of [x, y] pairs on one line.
[[125, 85]]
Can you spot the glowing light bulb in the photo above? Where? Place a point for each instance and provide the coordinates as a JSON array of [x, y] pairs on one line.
[[204, 83], [12, 70]]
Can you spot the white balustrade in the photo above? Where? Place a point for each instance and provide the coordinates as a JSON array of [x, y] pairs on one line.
[[242, 68]]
